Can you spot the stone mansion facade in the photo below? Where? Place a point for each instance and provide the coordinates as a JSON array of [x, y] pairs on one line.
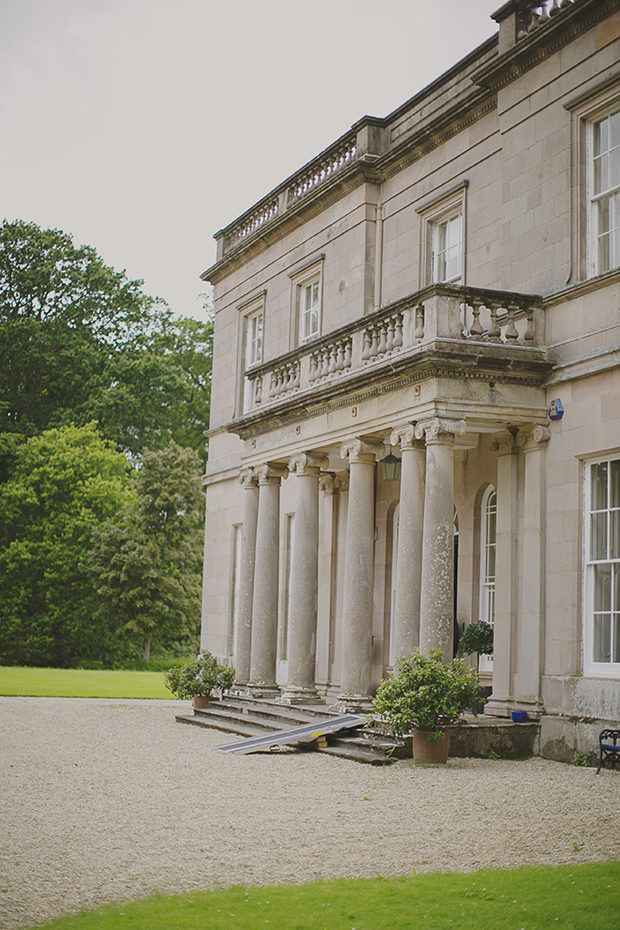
[[415, 416]]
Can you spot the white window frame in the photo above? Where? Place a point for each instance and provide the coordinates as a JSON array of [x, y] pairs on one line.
[[487, 581], [435, 213], [251, 346], [307, 302], [609, 193], [447, 233], [607, 519]]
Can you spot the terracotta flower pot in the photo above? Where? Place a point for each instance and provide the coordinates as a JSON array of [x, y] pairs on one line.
[[425, 751], [199, 700]]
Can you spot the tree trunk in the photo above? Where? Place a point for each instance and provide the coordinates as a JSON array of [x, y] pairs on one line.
[[146, 648]]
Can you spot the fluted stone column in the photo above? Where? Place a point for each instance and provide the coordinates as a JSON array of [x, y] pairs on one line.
[[358, 575], [529, 681], [437, 584], [265, 600], [504, 633], [406, 623], [243, 630], [301, 650]]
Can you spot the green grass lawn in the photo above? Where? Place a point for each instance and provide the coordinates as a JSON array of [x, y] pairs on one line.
[[75, 682], [585, 897]]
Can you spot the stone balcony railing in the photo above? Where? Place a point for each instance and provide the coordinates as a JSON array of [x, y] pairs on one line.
[[534, 15], [330, 163], [438, 315]]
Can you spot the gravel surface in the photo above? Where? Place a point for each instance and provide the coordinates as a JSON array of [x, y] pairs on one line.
[[105, 800]]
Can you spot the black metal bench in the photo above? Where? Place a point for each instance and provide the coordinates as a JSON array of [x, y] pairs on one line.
[[609, 748]]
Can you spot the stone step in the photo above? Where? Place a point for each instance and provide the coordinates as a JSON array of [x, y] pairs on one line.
[[250, 717]]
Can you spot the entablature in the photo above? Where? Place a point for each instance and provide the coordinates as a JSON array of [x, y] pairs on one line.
[[442, 332]]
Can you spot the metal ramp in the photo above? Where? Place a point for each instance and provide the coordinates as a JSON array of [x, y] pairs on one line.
[[306, 733]]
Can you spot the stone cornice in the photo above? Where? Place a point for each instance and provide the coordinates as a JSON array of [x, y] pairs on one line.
[[545, 41]]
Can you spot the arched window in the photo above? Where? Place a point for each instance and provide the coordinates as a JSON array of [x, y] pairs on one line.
[[488, 543]]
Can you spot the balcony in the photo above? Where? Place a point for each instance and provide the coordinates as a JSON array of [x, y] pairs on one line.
[[457, 327]]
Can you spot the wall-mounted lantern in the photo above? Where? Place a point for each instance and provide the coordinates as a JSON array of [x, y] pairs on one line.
[[390, 468]]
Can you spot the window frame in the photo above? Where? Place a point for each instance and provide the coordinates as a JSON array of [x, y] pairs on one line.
[[248, 310], [595, 668], [433, 213], [302, 280], [610, 194]]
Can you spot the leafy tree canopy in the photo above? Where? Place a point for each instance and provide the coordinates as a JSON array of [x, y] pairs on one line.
[[79, 342], [65, 482], [146, 562]]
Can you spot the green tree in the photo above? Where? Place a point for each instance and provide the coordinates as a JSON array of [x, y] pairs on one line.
[[65, 483], [147, 564], [80, 342]]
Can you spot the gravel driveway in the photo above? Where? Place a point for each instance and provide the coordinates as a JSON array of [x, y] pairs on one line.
[[111, 799]]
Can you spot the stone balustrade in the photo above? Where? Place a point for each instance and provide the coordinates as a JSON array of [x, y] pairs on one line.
[[534, 15], [324, 167], [438, 315]]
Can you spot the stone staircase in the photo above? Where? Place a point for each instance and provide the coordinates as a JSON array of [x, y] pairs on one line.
[[249, 716], [480, 737]]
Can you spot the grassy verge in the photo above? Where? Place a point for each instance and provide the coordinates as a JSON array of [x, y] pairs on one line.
[[583, 897], [75, 682]]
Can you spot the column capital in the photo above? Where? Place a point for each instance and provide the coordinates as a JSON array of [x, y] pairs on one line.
[[405, 437], [504, 444], [438, 429], [361, 450], [327, 483], [247, 478], [307, 463], [270, 473], [533, 438]]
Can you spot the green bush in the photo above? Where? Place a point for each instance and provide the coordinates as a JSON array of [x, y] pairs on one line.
[[199, 677], [477, 637], [425, 693]]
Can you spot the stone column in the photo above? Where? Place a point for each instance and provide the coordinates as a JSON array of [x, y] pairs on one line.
[[406, 623], [529, 679], [504, 634], [437, 584], [328, 519], [358, 575], [265, 602], [301, 686], [243, 630]]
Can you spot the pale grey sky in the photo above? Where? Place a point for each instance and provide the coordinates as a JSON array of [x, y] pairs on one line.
[[142, 127]]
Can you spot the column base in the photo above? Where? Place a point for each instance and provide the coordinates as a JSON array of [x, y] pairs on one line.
[[353, 704], [262, 691], [296, 695]]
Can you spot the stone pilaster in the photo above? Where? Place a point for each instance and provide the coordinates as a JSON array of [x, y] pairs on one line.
[[437, 583], [243, 627], [529, 680], [302, 629], [500, 703], [265, 601], [358, 575], [406, 623]]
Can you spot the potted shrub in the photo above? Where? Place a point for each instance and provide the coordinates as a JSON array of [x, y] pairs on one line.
[[425, 694], [198, 678], [477, 638]]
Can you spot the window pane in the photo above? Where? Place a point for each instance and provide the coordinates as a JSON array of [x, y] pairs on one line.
[[602, 629], [614, 483], [614, 165], [598, 541], [614, 534], [602, 587], [604, 215], [601, 141], [616, 644], [614, 125], [491, 564], [598, 487]]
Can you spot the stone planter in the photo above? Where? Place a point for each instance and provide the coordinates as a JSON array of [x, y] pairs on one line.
[[200, 701], [425, 751]]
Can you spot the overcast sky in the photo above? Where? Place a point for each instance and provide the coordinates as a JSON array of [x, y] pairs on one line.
[[142, 127]]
